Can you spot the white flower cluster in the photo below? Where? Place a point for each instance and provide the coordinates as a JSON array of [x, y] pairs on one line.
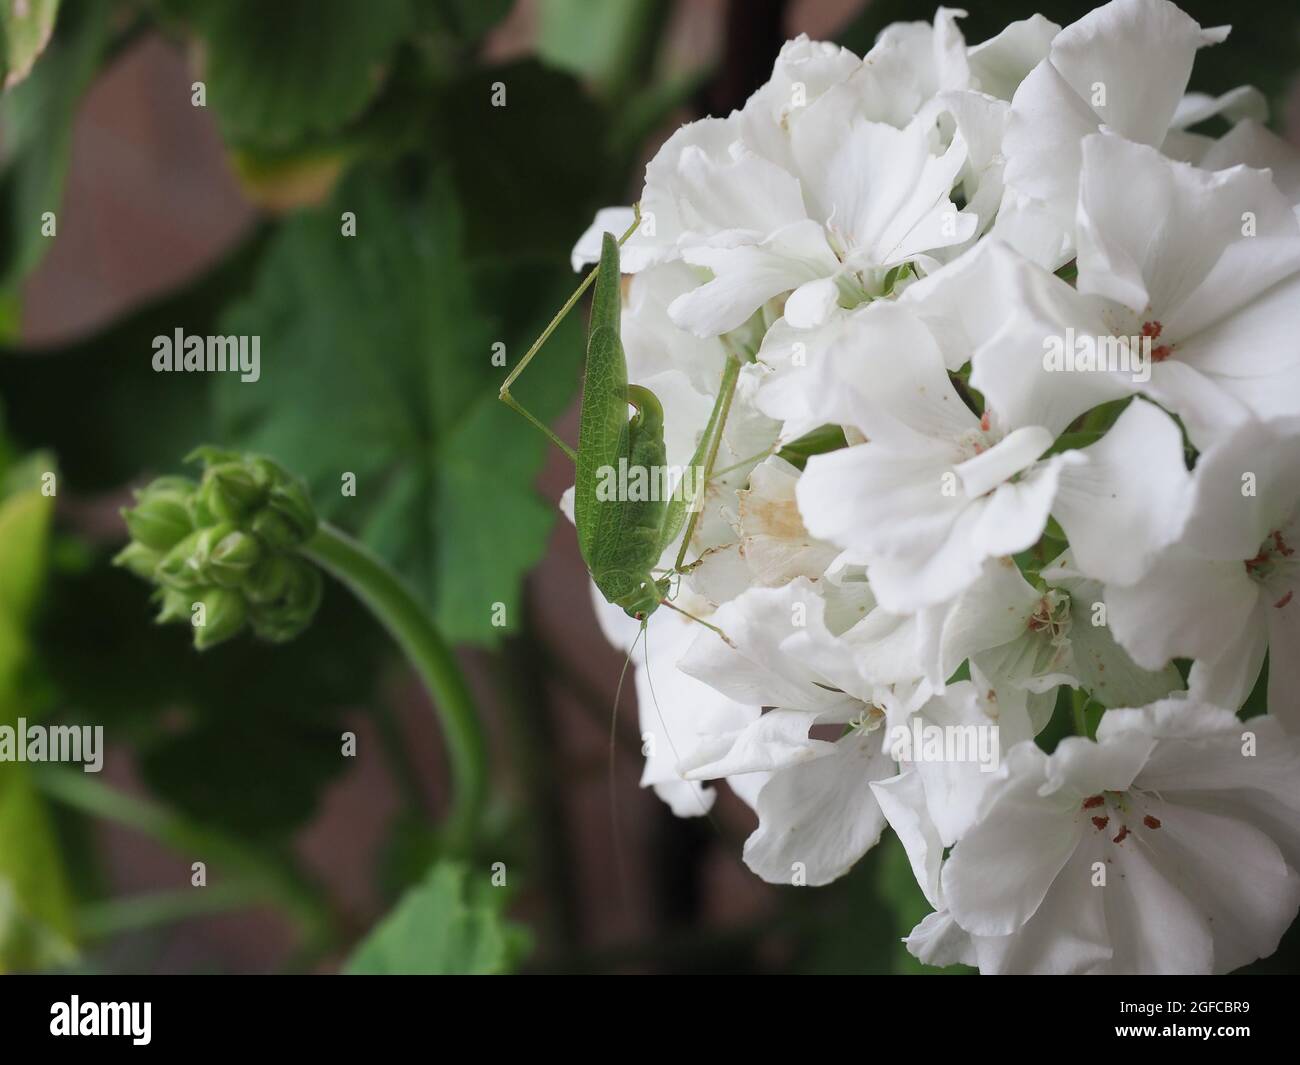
[[1018, 425]]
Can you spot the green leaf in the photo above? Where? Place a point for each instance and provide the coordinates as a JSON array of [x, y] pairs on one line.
[[468, 20], [445, 926], [36, 914], [36, 910], [37, 120], [818, 441], [25, 30], [99, 404], [279, 72], [575, 35], [530, 174], [1257, 701], [377, 361], [24, 541], [249, 758]]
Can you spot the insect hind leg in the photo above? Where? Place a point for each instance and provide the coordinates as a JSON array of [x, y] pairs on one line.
[[665, 601]]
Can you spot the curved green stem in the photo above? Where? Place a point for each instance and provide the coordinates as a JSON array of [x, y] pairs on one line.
[[396, 607], [102, 920]]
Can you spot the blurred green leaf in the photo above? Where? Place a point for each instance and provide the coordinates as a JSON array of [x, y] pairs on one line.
[[99, 404], [279, 72], [532, 173], [24, 538], [36, 910], [611, 45], [36, 116], [36, 916], [1257, 702], [468, 20], [845, 927], [244, 737], [377, 361], [445, 926], [25, 30]]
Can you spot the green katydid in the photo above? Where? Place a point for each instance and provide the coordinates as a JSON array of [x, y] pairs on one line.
[[622, 540]]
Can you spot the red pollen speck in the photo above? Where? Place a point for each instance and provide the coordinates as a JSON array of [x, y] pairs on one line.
[[1152, 330], [1092, 802], [1123, 835], [1282, 549], [1151, 822], [984, 422], [1284, 600], [1101, 822]]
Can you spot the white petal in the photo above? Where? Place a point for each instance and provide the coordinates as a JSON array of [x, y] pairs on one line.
[[776, 740], [748, 276], [651, 341], [879, 499], [1067, 934], [1235, 880], [754, 669], [1036, 231], [998, 309], [616, 220], [1243, 102], [902, 800], [940, 940], [1001, 63], [1120, 513], [812, 303], [1249, 359], [820, 817], [743, 194], [955, 788], [813, 67], [1226, 678], [1081, 768], [998, 875], [1011, 455], [1153, 926], [1142, 52], [883, 190], [1012, 518], [1047, 122], [1255, 145], [1169, 236], [1180, 608]]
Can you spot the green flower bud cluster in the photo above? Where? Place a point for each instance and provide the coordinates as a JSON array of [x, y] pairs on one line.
[[228, 543]]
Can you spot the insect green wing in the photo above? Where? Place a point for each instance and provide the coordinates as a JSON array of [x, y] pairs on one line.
[[603, 421], [620, 538]]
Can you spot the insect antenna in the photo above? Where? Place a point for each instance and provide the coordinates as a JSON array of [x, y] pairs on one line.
[[649, 676], [619, 864]]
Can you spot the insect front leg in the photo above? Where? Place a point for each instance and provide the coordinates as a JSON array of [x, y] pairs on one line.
[[708, 448], [505, 395]]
